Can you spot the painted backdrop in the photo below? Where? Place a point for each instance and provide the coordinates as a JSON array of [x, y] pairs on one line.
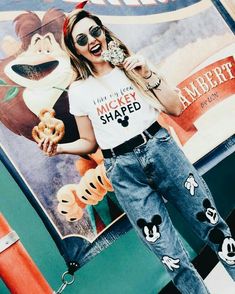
[[188, 41]]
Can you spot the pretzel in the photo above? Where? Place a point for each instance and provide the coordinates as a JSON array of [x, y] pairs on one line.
[[49, 128]]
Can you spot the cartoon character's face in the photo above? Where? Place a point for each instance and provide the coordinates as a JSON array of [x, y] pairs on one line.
[[226, 245], [95, 44], [151, 229], [151, 233], [209, 214], [227, 252], [43, 64], [212, 215]]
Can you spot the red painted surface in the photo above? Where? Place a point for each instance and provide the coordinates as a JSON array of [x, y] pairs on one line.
[[17, 269]]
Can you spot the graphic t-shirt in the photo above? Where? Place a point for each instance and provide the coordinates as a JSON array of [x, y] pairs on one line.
[[114, 105]]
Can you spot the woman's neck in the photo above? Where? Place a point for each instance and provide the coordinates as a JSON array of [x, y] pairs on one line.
[[102, 68]]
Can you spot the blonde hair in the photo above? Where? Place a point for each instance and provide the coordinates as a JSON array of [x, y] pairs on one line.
[[84, 68]]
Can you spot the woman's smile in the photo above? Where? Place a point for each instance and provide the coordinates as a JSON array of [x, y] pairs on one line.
[[96, 50]]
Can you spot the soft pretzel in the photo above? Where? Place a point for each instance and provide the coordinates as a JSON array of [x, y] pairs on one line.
[[49, 128]]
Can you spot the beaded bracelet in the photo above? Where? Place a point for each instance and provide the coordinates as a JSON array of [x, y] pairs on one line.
[[155, 84]]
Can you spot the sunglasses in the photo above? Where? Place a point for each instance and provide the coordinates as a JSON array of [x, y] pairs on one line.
[[95, 32]]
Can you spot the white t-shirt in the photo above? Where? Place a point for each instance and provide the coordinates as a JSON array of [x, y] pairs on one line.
[[114, 105]]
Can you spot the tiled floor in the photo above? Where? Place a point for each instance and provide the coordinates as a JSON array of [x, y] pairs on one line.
[[219, 282]]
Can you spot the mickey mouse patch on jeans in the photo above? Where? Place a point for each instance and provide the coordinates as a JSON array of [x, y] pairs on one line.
[[150, 230], [209, 214], [171, 263], [190, 184], [226, 245]]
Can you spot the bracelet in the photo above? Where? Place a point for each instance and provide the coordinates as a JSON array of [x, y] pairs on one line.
[[146, 78], [154, 85]]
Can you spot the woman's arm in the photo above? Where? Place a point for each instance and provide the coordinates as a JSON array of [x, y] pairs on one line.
[[156, 84], [85, 145], [165, 94]]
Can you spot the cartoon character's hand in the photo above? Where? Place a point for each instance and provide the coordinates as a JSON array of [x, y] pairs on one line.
[[68, 203], [92, 188], [170, 262], [83, 164], [138, 63], [190, 184]]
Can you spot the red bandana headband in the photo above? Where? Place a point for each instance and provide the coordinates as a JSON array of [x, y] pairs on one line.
[[66, 21]]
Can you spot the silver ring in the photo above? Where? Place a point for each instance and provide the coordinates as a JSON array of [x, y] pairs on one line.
[[67, 282]]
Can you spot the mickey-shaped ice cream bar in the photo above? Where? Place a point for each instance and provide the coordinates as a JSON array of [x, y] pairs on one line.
[[114, 54], [49, 128]]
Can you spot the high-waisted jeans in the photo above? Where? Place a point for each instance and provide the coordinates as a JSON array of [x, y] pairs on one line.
[[159, 168]]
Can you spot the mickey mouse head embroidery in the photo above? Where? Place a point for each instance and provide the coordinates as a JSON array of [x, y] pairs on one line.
[[124, 122], [210, 214], [151, 229], [226, 245]]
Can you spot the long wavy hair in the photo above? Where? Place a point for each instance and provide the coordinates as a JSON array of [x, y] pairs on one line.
[[83, 68]]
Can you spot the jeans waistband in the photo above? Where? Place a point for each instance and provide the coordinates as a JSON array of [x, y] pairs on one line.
[[134, 142]]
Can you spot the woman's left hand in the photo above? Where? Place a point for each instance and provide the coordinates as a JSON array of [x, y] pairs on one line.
[[138, 63]]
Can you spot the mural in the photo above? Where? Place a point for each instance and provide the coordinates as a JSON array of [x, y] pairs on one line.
[[188, 41]]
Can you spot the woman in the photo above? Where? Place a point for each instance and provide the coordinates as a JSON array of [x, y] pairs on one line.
[[113, 106]]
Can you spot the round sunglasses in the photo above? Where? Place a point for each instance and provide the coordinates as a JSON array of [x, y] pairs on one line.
[[95, 32]]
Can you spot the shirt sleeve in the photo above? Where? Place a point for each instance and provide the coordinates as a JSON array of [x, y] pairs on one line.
[[76, 102]]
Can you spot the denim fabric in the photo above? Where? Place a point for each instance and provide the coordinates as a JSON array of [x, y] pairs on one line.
[[159, 168]]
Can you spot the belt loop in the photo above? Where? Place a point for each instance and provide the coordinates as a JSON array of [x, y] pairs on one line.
[[148, 134], [113, 153]]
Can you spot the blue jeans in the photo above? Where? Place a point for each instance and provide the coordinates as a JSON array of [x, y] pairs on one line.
[[159, 168]]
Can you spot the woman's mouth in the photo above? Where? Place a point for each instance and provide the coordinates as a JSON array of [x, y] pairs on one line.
[[96, 50]]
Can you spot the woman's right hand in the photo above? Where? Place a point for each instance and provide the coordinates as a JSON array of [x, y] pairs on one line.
[[86, 144], [48, 147]]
